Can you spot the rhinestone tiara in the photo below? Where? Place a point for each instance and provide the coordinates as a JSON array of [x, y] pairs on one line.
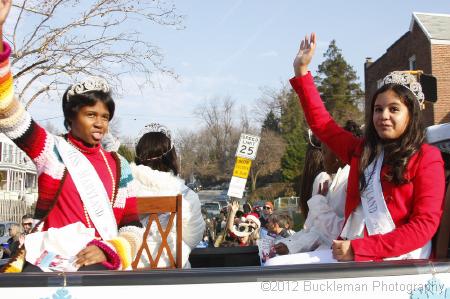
[[407, 80], [310, 137], [89, 84], [155, 128]]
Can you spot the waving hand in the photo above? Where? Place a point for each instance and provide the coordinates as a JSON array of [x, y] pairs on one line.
[[5, 6], [304, 55]]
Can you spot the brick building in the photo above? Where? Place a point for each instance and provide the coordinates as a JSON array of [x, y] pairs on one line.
[[426, 47]]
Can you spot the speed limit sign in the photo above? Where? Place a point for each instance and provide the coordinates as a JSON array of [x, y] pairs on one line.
[[248, 146]]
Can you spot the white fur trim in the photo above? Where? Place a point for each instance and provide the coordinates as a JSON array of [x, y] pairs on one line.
[[47, 162], [151, 182], [121, 198], [19, 128]]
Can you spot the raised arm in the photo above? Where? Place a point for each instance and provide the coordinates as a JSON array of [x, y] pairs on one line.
[[340, 141], [233, 208], [5, 7], [15, 121]]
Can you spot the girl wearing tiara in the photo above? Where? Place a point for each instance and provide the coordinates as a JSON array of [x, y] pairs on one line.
[[86, 209], [396, 181], [156, 174], [325, 216]]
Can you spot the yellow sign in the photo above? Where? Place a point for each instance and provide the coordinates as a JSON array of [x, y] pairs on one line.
[[242, 167]]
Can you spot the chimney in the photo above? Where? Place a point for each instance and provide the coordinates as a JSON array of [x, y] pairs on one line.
[[368, 62]]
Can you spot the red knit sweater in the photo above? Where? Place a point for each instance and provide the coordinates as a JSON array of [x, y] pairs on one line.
[[58, 197], [69, 207]]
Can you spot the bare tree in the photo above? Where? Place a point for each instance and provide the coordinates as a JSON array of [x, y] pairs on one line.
[[268, 159], [54, 41], [114, 126], [198, 156], [209, 152], [270, 100], [52, 129], [127, 141], [247, 125], [187, 150], [217, 115]]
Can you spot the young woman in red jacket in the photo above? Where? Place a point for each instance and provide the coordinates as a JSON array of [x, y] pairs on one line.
[[396, 182]]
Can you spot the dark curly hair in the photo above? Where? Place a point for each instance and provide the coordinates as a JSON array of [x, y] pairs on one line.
[[398, 151], [78, 101]]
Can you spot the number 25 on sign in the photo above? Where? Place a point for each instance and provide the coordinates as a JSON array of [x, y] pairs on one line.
[[248, 146]]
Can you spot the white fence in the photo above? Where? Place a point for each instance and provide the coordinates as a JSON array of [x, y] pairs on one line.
[[286, 203]]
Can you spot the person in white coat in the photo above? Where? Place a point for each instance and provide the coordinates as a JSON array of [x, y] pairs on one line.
[[156, 174], [326, 209]]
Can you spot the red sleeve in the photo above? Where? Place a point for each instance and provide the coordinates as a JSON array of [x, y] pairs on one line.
[[429, 189], [341, 142], [6, 52], [130, 214]]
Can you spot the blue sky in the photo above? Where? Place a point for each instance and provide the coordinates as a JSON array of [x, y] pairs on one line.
[[235, 48]]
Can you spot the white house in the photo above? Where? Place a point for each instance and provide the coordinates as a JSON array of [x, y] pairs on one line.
[[18, 176]]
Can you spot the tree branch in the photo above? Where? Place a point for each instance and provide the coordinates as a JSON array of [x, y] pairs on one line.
[[29, 68], [37, 94]]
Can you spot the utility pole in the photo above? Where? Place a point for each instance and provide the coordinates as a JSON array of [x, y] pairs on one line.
[[179, 154]]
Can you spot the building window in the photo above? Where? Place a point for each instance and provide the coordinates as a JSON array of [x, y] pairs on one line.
[[412, 63], [10, 153], [3, 179]]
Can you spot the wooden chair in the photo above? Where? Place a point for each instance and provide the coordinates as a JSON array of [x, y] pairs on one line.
[[443, 233], [153, 206]]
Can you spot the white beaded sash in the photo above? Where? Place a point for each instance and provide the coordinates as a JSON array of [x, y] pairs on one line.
[[91, 189]]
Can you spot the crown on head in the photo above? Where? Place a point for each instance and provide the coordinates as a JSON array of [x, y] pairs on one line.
[[311, 139], [89, 84], [407, 80], [156, 128]]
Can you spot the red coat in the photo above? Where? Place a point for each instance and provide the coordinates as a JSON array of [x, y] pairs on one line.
[[415, 207]]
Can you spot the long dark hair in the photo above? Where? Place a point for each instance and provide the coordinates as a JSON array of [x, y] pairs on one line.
[[155, 150], [398, 151], [313, 166], [78, 101]]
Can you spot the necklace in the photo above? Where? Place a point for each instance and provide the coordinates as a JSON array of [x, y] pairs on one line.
[[76, 147]]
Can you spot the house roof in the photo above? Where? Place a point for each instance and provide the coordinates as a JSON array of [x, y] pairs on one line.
[[435, 26]]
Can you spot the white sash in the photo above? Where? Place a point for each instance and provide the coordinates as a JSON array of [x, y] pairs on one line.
[[374, 214], [90, 187]]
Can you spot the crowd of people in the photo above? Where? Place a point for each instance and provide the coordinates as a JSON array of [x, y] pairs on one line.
[[368, 196], [16, 238], [238, 226]]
